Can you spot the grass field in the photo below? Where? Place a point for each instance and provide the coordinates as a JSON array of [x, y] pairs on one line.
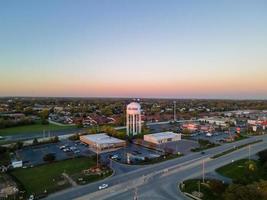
[[211, 189], [33, 128], [48, 177], [238, 171]]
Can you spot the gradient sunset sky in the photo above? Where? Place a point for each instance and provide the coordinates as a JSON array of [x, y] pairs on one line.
[[134, 48]]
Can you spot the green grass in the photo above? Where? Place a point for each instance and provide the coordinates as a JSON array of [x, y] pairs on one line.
[[46, 177], [211, 189], [32, 129], [238, 171]]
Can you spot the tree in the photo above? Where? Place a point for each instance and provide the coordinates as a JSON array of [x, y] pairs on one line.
[[242, 192], [56, 139], [74, 137], [186, 131], [44, 116], [18, 145], [263, 156], [50, 157], [35, 141]]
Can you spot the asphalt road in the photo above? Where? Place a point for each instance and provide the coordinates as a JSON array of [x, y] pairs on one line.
[[39, 134], [159, 181]]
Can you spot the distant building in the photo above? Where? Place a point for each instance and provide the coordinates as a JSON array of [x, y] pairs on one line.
[[133, 119], [102, 141], [163, 137], [218, 121]]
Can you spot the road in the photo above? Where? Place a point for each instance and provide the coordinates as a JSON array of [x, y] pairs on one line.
[[159, 181], [40, 134], [160, 123]]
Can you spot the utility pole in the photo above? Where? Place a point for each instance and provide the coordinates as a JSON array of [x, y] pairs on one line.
[[97, 156], [199, 188], [203, 171], [249, 149], [135, 194], [174, 111]]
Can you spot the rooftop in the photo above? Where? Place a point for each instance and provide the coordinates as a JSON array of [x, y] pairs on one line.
[[102, 138], [163, 135]]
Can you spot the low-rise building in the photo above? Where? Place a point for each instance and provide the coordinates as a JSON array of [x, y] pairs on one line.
[[163, 137], [224, 122], [102, 141]]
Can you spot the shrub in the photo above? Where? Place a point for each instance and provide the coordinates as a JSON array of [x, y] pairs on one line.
[[50, 157]]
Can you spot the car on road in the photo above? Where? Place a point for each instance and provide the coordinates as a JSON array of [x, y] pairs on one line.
[[114, 157], [103, 186]]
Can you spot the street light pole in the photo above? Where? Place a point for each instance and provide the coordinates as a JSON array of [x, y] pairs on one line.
[[97, 155], [249, 149], [203, 171], [199, 188], [174, 111]]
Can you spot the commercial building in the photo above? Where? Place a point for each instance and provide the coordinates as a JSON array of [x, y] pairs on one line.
[[224, 122], [102, 141], [133, 119], [163, 137]]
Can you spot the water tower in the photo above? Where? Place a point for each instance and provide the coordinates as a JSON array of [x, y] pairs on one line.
[[133, 119]]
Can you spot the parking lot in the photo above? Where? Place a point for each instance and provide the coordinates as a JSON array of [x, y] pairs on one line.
[[137, 152], [183, 146], [217, 137], [33, 155]]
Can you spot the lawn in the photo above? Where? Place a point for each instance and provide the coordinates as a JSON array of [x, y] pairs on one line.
[[33, 128], [48, 177], [211, 189], [238, 171]]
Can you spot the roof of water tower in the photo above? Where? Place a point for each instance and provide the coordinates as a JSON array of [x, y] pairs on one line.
[[133, 108]]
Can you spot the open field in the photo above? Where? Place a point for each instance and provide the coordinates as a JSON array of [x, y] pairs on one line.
[[210, 190], [238, 171], [33, 129], [48, 177]]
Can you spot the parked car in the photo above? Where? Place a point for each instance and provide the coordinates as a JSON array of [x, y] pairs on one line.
[[62, 147], [76, 151]]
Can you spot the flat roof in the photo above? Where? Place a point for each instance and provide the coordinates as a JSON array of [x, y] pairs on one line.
[[102, 138], [163, 135]]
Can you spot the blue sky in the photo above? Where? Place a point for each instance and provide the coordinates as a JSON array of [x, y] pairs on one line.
[[190, 48]]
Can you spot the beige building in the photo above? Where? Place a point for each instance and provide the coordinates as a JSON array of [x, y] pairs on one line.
[[102, 141], [163, 137]]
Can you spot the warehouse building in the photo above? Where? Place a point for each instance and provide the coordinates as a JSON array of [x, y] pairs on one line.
[[102, 142], [163, 137]]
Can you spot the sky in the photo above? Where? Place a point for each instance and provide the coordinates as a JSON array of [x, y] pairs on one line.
[[134, 48]]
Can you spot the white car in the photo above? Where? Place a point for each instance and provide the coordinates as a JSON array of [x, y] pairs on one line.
[[114, 157], [103, 186], [62, 147]]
